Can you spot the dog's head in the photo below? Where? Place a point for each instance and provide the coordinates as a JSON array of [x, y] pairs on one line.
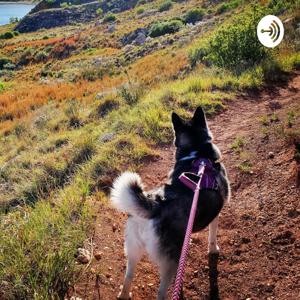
[[194, 135]]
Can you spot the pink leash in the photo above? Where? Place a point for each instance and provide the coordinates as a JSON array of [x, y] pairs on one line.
[[188, 233]]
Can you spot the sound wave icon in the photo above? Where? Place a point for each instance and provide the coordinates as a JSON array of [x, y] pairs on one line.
[[274, 31]]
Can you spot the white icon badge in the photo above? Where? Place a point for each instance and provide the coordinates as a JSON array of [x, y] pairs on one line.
[[270, 31]]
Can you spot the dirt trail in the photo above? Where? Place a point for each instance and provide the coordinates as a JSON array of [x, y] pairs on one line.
[[259, 232]]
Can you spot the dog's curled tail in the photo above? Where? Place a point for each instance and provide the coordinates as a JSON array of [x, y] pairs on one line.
[[127, 195]]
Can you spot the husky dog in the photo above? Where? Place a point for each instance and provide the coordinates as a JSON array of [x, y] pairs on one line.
[[158, 219]]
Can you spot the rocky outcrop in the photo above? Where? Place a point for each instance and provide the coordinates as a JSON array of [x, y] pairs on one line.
[[58, 17], [44, 4], [136, 37], [106, 5], [49, 15]]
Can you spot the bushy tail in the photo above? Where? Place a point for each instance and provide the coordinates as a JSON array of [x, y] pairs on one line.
[[128, 196]]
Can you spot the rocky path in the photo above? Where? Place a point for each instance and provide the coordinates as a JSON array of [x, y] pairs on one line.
[[259, 232]]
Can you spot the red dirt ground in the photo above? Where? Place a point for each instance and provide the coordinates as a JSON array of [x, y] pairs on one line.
[[259, 232]]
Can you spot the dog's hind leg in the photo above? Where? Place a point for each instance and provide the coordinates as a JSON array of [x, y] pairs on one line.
[[212, 236], [167, 270], [134, 252]]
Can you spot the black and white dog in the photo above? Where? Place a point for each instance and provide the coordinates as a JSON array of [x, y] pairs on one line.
[[158, 219]]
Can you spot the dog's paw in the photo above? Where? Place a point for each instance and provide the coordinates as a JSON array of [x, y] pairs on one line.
[[213, 248]]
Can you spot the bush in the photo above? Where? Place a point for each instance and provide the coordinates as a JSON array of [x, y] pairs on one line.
[[235, 46], [109, 18], [106, 106], [198, 54], [194, 15], [4, 61], [41, 56], [272, 71], [140, 10], [2, 86], [99, 11], [163, 28], [131, 93], [279, 6], [65, 5], [92, 73], [7, 35], [222, 8], [227, 6], [165, 5]]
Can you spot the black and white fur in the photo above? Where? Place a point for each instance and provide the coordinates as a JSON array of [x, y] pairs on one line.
[[157, 220]]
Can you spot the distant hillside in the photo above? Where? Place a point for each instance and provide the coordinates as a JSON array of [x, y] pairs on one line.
[[106, 5], [54, 14]]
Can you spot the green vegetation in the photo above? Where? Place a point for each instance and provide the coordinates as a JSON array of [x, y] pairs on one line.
[[108, 18], [238, 144], [4, 61], [194, 15], [9, 35], [2, 86], [234, 46], [100, 11], [228, 6], [37, 249], [162, 28], [166, 5], [65, 5], [140, 10]]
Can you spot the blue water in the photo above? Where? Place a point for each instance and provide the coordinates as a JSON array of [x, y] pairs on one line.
[[8, 10]]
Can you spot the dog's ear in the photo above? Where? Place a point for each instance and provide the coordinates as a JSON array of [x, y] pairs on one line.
[[199, 118], [177, 121]]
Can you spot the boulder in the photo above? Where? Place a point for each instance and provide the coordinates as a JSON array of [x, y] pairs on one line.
[[137, 37]]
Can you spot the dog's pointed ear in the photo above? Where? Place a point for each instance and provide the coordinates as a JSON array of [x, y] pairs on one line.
[[177, 121], [199, 118]]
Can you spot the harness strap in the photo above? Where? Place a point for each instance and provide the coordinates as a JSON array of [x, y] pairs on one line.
[[190, 180]]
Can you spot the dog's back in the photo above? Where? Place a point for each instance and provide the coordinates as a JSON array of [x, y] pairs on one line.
[[158, 220]]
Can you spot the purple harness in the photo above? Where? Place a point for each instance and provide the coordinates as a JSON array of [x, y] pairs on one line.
[[190, 179]]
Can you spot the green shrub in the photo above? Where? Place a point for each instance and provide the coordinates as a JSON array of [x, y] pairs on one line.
[[131, 93], [235, 46], [4, 61], [194, 15], [92, 73], [166, 27], [9, 66], [140, 10], [109, 18], [99, 11], [279, 6], [166, 5], [7, 35], [109, 104], [198, 54], [64, 5], [41, 56], [272, 71], [222, 8], [227, 6], [2, 86]]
